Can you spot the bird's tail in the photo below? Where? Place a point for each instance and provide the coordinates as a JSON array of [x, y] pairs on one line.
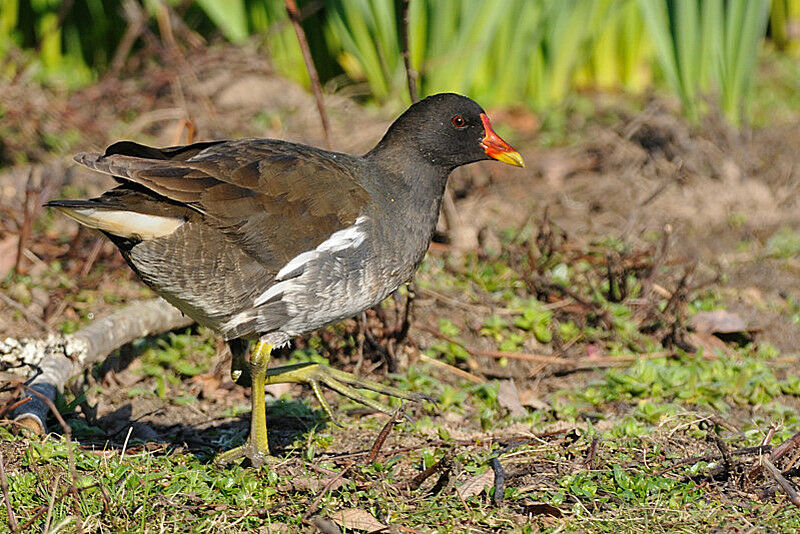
[[116, 220]]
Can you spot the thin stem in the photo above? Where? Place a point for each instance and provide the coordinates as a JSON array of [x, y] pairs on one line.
[[411, 74], [294, 16]]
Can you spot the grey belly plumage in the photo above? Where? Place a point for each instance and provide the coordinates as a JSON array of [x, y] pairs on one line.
[[217, 284]]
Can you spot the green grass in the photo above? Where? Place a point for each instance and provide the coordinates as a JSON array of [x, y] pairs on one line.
[[651, 424], [150, 490]]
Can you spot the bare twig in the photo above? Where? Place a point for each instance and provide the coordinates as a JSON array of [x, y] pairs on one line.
[[55, 500], [658, 261], [136, 21], [499, 481], [611, 361], [404, 324], [51, 503], [724, 451], [784, 484], [12, 519], [384, 433], [779, 451], [28, 315], [91, 258], [602, 314], [491, 353], [793, 461], [331, 483], [59, 358], [27, 217], [294, 16], [411, 74], [451, 369], [760, 449], [445, 462], [591, 454], [769, 435], [70, 453]]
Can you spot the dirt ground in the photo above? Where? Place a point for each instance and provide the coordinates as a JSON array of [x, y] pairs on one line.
[[720, 195]]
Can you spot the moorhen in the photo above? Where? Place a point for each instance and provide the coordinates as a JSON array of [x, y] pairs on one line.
[[267, 239]]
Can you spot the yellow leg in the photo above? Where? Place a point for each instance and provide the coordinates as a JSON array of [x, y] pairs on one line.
[[257, 448], [316, 376]]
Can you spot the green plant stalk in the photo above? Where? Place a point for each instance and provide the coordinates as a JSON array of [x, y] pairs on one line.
[[706, 45], [657, 20], [230, 16], [745, 25]]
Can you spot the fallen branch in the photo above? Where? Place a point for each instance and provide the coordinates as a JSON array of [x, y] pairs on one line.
[[59, 358], [780, 450], [784, 484]]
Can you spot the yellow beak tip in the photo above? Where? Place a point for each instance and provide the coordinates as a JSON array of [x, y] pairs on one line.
[[511, 157]]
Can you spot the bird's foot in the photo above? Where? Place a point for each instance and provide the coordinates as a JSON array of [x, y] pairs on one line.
[[317, 375], [257, 455]]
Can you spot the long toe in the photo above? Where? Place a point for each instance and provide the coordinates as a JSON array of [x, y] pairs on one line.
[[257, 456], [346, 384]]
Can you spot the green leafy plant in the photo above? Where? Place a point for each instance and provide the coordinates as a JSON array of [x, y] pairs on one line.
[[705, 46]]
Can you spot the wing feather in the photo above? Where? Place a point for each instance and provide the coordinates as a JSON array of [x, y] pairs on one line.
[[271, 198]]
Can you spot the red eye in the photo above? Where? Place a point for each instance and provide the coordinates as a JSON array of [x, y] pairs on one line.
[[459, 122]]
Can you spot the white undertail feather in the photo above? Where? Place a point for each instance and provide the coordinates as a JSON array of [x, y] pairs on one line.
[[127, 224], [347, 238]]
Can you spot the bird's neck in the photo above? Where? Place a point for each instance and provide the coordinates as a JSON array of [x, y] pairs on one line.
[[415, 178], [411, 195]]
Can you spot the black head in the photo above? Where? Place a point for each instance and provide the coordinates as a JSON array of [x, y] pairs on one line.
[[449, 130]]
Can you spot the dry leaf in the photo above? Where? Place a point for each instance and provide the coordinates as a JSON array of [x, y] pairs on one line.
[[357, 519], [528, 398], [8, 254], [209, 385], [717, 322], [709, 343], [474, 486], [541, 508], [274, 528], [276, 390], [508, 398]]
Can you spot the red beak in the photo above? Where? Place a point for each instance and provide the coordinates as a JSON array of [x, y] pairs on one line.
[[498, 149]]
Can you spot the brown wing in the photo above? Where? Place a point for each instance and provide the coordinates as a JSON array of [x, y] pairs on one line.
[[272, 198]]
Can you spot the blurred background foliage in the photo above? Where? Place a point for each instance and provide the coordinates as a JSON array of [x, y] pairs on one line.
[[531, 53]]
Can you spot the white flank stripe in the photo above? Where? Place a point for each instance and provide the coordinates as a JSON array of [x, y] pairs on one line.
[[276, 290], [236, 320], [126, 224], [350, 237], [295, 264]]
